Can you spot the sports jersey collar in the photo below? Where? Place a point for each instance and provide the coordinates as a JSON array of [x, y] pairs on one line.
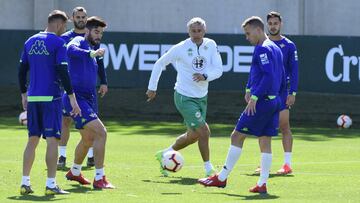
[[45, 32]]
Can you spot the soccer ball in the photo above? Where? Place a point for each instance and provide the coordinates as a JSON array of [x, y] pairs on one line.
[[23, 118], [344, 121], [172, 161]]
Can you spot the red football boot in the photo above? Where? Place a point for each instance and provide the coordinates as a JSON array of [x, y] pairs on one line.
[[80, 178], [258, 189], [102, 184], [212, 181], [285, 169]]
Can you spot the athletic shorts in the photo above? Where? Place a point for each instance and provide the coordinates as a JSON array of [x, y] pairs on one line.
[[265, 122], [88, 108], [44, 118], [66, 114], [193, 110]]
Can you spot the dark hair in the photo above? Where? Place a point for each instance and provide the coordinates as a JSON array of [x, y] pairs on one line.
[[94, 22], [57, 14], [78, 8], [254, 21], [273, 14]]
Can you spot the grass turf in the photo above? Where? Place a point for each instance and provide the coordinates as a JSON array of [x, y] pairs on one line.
[[326, 165]]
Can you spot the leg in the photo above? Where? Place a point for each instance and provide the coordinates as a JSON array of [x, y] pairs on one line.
[[65, 134], [51, 156], [287, 141], [219, 180], [266, 159], [29, 154]]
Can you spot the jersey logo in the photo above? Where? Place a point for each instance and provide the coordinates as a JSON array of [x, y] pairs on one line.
[[282, 45], [190, 52], [199, 63], [264, 58], [38, 48], [295, 55]]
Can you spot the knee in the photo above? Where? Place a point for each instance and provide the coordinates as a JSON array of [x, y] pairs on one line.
[[87, 141], [285, 129], [204, 131], [192, 137], [101, 132], [66, 122], [237, 138]]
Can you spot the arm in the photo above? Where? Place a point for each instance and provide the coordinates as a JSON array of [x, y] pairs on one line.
[[159, 65], [101, 71], [294, 70], [23, 69], [216, 70], [74, 51]]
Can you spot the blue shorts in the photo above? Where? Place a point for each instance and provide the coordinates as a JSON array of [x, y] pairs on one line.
[[88, 106], [67, 114], [44, 118], [265, 122]]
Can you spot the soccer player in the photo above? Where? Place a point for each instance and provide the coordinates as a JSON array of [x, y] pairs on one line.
[[79, 16], [290, 61], [44, 55], [197, 62], [83, 71], [261, 115]]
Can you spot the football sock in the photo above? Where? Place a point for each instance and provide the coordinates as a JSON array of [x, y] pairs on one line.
[[50, 182], [99, 173], [287, 158], [25, 180], [62, 151], [90, 153], [231, 159], [76, 169], [266, 160], [208, 166]]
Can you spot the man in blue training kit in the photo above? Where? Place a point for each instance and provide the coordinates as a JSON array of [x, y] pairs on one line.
[[261, 115], [83, 72], [79, 16], [44, 55]]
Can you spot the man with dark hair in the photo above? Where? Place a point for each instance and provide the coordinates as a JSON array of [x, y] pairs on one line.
[[44, 55], [83, 72], [261, 115], [79, 17]]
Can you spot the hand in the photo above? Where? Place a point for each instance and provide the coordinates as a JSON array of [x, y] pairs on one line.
[[103, 89], [76, 111], [24, 101], [247, 97], [150, 94], [290, 100], [99, 52], [250, 109], [197, 77]]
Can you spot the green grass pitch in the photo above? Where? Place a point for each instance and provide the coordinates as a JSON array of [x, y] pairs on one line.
[[326, 165]]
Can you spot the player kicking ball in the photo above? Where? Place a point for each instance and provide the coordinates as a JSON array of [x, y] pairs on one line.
[[83, 73], [261, 115]]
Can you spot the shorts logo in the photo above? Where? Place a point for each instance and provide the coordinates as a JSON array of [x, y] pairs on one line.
[[199, 63], [198, 114], [192, 124], [93, 115], [264, 59], [83, 120]]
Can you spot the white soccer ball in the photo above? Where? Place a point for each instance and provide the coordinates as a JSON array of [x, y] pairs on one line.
[[344, 121], [23, 118], [172, 161]]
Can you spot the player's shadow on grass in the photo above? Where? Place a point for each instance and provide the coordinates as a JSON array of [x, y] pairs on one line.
[[272, 175], [176, 180], [79, 189], [253, 197], [34, 198]]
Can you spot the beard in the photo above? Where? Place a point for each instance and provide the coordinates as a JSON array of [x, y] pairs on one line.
[[274, 33], [79, 25], [93, 41]]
